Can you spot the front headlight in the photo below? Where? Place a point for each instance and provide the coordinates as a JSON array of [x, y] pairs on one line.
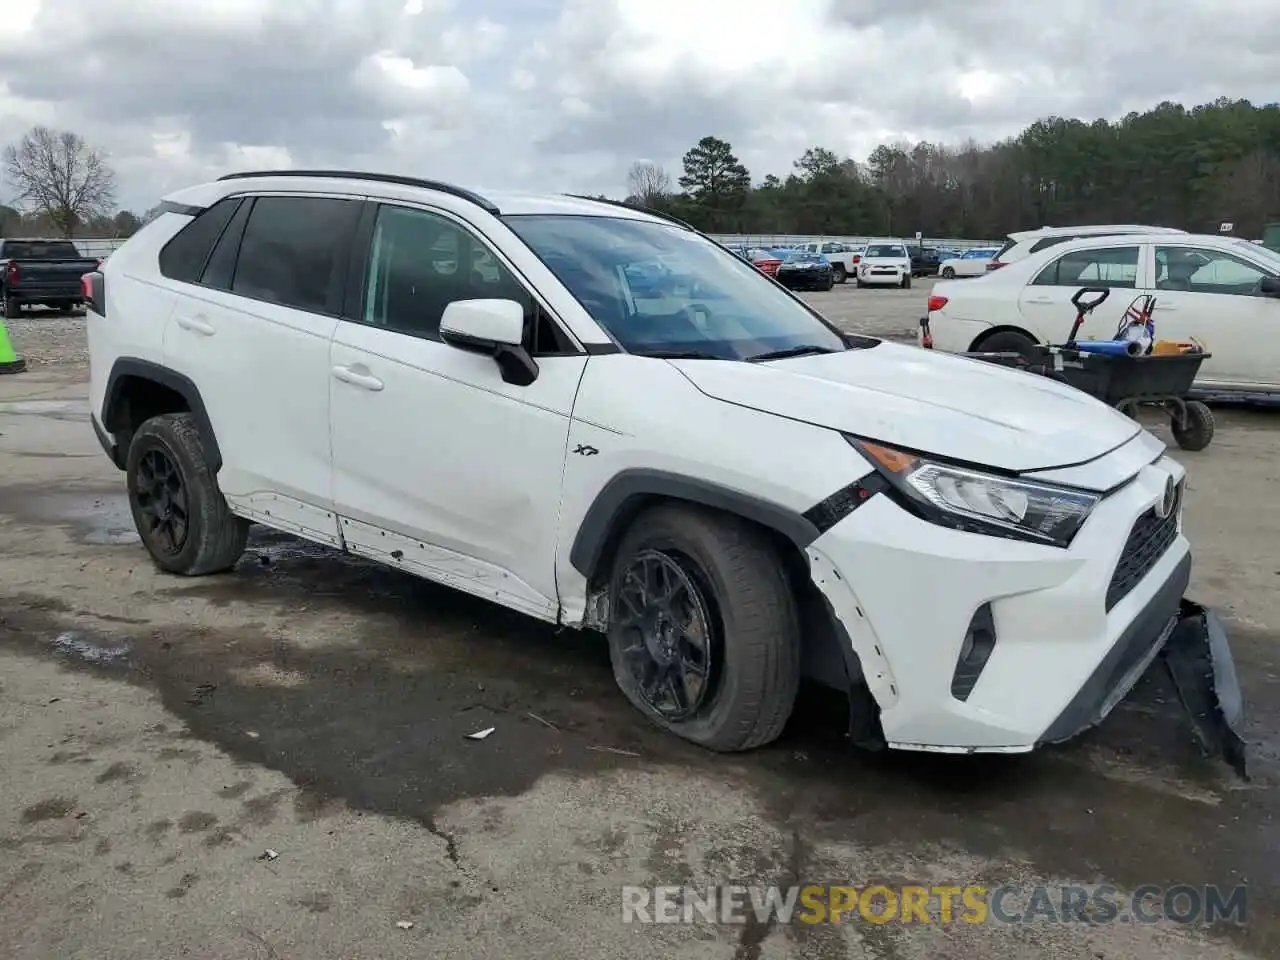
[[977, 502]]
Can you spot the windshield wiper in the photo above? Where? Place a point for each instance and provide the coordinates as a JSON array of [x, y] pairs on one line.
[[680, 355], [803, 350]]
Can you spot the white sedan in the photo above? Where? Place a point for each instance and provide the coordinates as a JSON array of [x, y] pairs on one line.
[[972, 263], [1221, 291]]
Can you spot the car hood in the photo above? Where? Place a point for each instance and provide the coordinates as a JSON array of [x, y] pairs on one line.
[[934, 403]]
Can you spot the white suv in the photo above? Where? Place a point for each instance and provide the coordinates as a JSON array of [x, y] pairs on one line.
[[603, 419], [1027, 242]]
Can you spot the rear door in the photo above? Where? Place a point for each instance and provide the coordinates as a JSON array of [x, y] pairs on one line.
[[1212, 296], [253, 333], [1045, 302]]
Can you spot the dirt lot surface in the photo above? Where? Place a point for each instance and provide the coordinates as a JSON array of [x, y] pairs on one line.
[[158, 736]]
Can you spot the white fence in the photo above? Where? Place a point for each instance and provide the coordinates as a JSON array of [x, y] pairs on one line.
[[785, 241], [97, 247]]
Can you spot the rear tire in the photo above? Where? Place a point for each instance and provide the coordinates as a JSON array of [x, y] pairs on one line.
[[181, 515], [737, 588], [838, 273], [1010, 341], [906, 282], [1197, 432], [12, 309], [948, 273]]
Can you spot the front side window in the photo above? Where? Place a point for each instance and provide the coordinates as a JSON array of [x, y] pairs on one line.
[[659, 289], [295, 250], [420, 263], [1112, 267], [1196, 270]]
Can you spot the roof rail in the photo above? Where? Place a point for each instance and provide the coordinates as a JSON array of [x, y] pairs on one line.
[[628, 206], [448, 188]]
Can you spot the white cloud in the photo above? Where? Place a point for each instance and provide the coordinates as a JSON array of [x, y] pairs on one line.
[[563, 94]]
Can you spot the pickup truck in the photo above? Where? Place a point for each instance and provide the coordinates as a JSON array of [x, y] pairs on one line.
[[44, 272], [843, 258]]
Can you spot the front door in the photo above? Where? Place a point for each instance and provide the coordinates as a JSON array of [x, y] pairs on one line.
[[438, 464], [1213, 297]]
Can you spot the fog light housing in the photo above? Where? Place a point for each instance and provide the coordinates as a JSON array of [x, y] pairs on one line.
[[975, 650]]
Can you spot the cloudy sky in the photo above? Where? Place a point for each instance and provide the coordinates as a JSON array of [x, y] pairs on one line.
[[565, 94]]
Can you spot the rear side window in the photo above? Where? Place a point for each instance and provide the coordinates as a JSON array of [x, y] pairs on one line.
[[1049, 242], [184, 256], [221, 268], [1115, 267], [295, 251]]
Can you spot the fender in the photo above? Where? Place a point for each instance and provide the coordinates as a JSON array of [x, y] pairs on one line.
[[126, 368], [621, 498]]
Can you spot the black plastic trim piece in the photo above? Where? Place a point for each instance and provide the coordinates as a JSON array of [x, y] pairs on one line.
[[601, 349], [109, 446], [183, 209], [982, 634], [127, 367], [827, 513], [611, 505], [1087, 707], [394, 178]]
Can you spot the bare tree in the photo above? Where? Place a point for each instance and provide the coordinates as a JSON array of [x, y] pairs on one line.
[[647, 182], [57, 174]]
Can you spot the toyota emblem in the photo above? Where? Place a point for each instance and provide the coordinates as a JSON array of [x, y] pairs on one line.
[[1169, 502]]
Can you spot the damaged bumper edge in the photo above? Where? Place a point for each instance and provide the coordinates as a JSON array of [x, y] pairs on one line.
[[1198, 658]]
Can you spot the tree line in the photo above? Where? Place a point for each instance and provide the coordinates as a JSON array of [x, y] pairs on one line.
[[1193, 168]]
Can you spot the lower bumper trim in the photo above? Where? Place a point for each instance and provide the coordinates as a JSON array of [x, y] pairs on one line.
[[109, 446], [1125, 662]]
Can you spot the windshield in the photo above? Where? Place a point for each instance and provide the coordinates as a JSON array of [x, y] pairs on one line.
[[885, 250], [803, 258], [1270, 257], [660, 289]]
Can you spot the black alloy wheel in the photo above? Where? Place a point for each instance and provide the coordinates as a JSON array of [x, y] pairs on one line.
[[669, 646], [162, 502]]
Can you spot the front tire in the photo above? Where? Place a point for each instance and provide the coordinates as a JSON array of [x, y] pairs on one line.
[[704, 634], [839, 274], [180, 513], [948, 273]]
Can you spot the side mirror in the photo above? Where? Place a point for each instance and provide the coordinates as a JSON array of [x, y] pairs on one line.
[[1270, 286], [494, 328]]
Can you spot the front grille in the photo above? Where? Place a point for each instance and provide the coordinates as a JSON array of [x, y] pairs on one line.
[[1150, 537]]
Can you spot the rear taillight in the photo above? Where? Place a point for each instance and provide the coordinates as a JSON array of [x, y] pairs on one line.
[[93, 290], [995, 265], [13, 273], [936, 302], [857, 258]]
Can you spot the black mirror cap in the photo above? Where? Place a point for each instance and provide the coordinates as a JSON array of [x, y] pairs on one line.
[[1270, 286]]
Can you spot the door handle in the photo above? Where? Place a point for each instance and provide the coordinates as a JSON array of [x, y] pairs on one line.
[[357, 378], [197, 324], [1039, 300]]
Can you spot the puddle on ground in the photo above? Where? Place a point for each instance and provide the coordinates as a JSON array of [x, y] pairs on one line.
[[82, 647], [74, 410], [99, 518]]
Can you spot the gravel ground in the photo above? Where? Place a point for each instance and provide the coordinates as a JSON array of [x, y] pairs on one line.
[[50, 338]]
